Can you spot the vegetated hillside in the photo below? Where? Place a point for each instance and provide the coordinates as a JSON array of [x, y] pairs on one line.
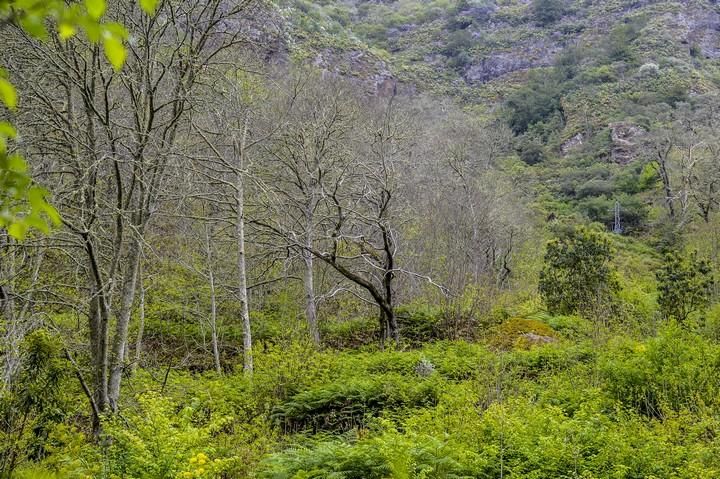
[[580, 83], [367, 240]]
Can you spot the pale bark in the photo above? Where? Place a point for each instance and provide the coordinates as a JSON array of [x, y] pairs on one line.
[[127, 299], [240, 231], [141, 320], [309, 283]]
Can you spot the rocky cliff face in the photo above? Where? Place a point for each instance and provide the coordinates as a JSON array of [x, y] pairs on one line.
[[480, 41], [480, 51]]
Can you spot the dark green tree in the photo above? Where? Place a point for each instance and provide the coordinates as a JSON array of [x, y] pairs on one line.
[[546, 12], [577, 276], [685, 285], [535, 102]]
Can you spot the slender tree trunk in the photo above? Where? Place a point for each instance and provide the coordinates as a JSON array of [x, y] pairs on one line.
[[213, 305], [11, 346], [141, 320], [123, 321], [309, 281], [242, 274], [388, 246], [98, 319]]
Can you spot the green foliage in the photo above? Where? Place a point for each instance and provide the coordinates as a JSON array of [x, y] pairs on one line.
[[676, 371], [350, 333], [158, 440], [546, 12], [576, 276], [33, 404], [533, 103], [341, 406], [514, 333], [389, 454], [420, 324], [601, 209], [685, 284], [531, 152], [619, 41]]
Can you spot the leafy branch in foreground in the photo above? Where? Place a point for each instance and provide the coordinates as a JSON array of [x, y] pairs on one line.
[[23, 204]]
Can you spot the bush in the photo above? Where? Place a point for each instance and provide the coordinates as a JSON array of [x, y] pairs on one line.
[[576, 276], [537, 101], [531, 152], [33, 404], [546, 12], [420, 324], [514, 332], [351, 333], [389, 454], [620, 39], [685, 284]]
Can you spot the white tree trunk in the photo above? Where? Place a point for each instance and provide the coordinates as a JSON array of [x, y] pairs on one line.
[[242, 274], [141, 321], [309, 284], [117, 364]]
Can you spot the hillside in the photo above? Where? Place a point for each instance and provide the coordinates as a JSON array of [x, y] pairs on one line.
[[579, 82]]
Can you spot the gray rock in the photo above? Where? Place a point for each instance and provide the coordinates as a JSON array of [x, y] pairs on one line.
[[572, 144], [624, 141], [424, 368]]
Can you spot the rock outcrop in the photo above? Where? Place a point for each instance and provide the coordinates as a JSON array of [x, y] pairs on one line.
[[624, 137]]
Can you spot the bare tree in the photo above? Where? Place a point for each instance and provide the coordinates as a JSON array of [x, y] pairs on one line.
[[308, 153], [108, 139]]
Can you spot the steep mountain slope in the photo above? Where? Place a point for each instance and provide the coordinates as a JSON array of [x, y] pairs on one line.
[[579, 82], [472, 48]]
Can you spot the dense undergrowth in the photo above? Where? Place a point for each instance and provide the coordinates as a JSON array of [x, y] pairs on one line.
[[594, 403]]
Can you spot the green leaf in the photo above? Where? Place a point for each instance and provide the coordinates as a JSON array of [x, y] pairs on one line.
[[66, 30], [8, 95], [115, 29], [34, 25], [52, 213], [149, 6], [18, 230], [7, 130], [115, 52], [95, 8], [17, 164]]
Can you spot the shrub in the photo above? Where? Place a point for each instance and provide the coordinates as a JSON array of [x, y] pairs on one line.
[[685, 284], [531, 152], [537, 101], [576, 276], [514, 332], [33, 404], [546, 12], [420, 324], [351, 333], [677, 370], [388, 454]]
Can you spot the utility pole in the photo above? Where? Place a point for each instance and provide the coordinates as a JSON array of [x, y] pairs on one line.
[[617, 227]]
